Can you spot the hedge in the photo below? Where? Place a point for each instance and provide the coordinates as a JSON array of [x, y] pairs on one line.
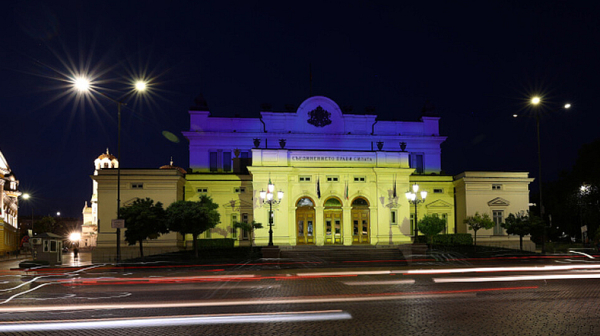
[[448, 239], [216, 243]]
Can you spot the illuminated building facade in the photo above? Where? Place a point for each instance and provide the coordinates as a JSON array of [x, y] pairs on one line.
[[343, 177], [9, 209]]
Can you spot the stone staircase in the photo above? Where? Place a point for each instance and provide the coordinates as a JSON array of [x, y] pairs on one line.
[[341, 253]]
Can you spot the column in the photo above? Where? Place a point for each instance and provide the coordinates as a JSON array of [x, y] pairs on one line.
[[347, 225]]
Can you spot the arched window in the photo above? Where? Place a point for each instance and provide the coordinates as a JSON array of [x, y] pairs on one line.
[[305, 201], [360, 202], [332, 202]]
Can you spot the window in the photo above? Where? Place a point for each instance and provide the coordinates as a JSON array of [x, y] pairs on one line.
[[332, 179], [202, 190], [137, 186], [227, 161], [438, 191], [359, 179], [416, 161], [245, 233], [496, 186], [234, 218], [393, 219], [213, 161], [445, 218], [304, 178], [239, 190], [498, 216], [244, 155]]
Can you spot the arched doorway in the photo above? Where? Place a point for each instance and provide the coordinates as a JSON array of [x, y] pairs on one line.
[[332, 217], [360, 221], [305, 221]]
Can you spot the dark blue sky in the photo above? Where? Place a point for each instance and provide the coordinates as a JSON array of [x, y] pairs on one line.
[[477, 62]]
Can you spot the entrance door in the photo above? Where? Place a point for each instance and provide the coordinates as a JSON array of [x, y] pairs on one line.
[[360, 221], [305, 222], [333, 226]]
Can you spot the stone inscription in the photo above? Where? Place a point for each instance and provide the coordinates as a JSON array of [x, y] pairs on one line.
[[331, 158]]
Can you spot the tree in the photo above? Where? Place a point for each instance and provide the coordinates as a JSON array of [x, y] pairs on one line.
[[46, 224], [431, 225], [249, 227], [521, 225], [143, 220], [193, 217], [478, 222]]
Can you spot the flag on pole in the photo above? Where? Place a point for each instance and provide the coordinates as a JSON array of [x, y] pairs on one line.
[[346, 190], [318, 189]]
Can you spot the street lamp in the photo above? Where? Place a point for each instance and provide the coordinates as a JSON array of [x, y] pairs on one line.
[[267, 197], [584, 190], [411, 196], [536, 103], [83, 85], [27, 197]]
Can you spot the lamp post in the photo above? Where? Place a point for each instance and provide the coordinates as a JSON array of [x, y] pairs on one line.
[[411, 196], [83, 85], [583, 192], [535, 102], [27, 197], [267, 197]]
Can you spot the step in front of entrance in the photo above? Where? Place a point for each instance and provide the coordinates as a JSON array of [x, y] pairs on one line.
[[341, 253]]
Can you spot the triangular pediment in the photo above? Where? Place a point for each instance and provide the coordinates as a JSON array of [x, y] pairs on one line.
[[130, 202], [498, 201], [236, 204], [439, 204]]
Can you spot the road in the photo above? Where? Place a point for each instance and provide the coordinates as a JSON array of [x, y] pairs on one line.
[[556, 297]]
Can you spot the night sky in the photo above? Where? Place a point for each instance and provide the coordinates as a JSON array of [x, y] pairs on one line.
[[478, 63]]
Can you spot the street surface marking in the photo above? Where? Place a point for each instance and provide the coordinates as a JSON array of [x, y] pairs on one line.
[[179, 321]]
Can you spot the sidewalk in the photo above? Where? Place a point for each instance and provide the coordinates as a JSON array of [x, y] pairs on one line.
[[84, 259]]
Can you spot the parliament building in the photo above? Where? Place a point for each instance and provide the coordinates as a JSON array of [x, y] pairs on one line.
[[338, 179]]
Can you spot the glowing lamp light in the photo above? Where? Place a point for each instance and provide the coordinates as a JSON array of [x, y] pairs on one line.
[[535, 100], [269, 196], [280, 194], [82, 84], [271, 187], [423, 194], [515, 115], [415, 188], [140, 85], [567, 106], [75, 236], [263, 194], [26, 196]]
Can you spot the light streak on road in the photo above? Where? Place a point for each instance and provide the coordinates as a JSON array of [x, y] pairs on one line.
[[21, 285], [343, 273], [500, 269], [519, 278], [25, 292], [164, 321], [375, 283], [270, 301]]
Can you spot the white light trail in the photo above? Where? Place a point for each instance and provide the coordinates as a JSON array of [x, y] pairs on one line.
[[180, 321], [519, 278], [224, 303], [501, 269], [345, 273], [375, 283]]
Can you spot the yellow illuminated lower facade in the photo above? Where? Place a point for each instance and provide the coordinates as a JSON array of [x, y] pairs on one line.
[[329, 198]]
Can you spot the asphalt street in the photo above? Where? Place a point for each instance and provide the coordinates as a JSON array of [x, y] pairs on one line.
[[551, 296]]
